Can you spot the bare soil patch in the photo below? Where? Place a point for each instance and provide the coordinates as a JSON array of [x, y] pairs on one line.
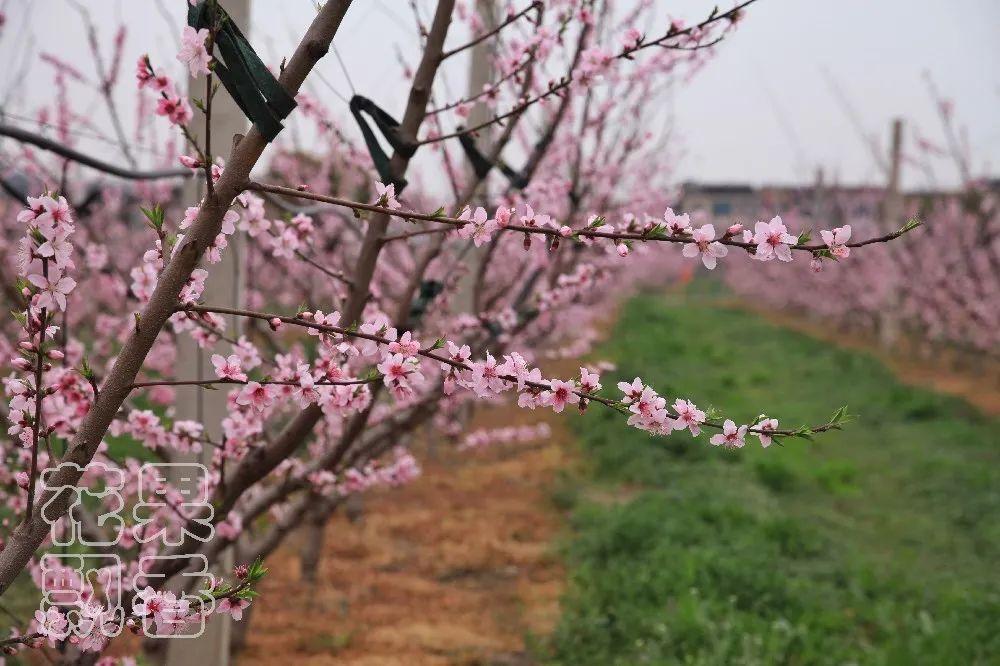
[[456, 568]]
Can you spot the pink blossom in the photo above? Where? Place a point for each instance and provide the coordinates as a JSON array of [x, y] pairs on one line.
[[703, 244], [560, 394], [631, 38], [229, 221], [593, 62], [193, 52], [255, 395], [164, 608], [57, 246], [632, 391], [677, 225], [386, 196], [515, 366], [331, 319], [54, 213], [175, 108], [233, 606], [397, 368], [52, 624], [773, 240], [502, 216], [479, 229], [766, 428], [54, 290], [458, 354], [590, 382], [145, 76], [648, 411], [731, 437], [688, 416], [190, 215], [406, 345], [531, 219], [228, 367], [837, 240]]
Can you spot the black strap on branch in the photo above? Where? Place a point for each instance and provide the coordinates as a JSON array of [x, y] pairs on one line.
[[389, 127], [250, 83], [482, 165]]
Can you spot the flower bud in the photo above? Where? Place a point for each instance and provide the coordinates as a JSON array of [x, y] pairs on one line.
[[502, 216], [56, 354], [26, 345], [622, 249], [22, 480], [275, 323], [20, 363], [189, 162]]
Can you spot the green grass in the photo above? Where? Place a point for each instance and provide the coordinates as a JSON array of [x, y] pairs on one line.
[[879, 544]]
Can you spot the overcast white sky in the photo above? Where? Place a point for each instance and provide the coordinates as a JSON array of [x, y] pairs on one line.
[[762, 111]]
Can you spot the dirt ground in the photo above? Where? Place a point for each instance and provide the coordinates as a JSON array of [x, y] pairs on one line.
[[456, 568]]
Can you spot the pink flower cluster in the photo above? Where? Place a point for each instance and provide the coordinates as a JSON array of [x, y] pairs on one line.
[[508, 435], [401, 470], [170, 103], [45, 256], [649, 412]]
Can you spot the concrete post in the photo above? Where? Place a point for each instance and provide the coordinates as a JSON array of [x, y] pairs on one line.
[[481, 73], [892, 210], [224, 286]]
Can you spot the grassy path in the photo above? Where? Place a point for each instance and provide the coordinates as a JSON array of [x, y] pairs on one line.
[[876, 545]]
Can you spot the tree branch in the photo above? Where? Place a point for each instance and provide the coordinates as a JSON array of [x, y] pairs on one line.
[[39, 141]]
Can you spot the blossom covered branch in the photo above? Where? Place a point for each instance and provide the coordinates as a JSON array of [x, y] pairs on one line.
[[767, 241]]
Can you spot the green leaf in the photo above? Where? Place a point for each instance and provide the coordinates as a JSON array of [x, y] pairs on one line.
[[155, 217]]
